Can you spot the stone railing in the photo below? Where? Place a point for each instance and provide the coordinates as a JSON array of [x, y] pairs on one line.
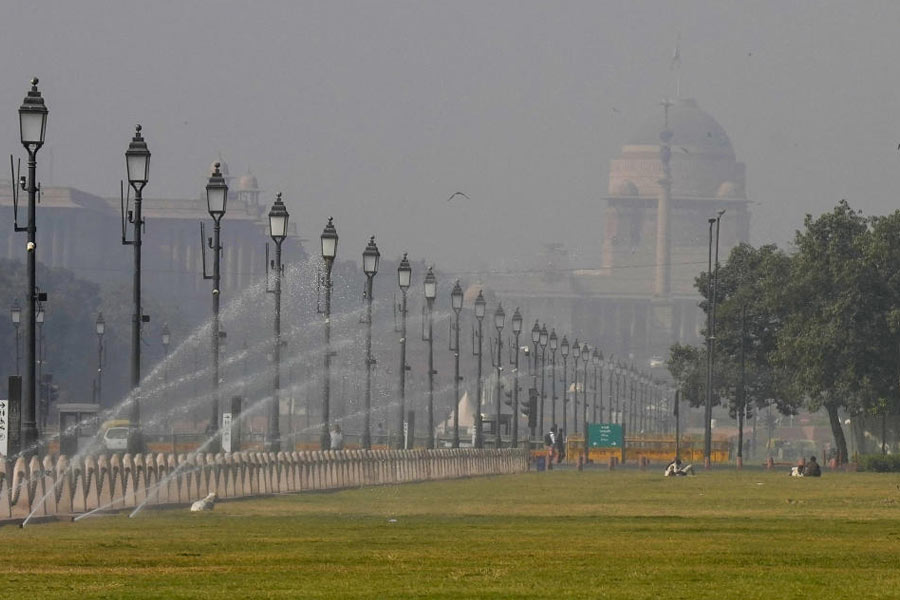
[[68, 487]]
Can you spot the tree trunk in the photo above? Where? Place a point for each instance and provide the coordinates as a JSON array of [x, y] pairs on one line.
[[839, 440]]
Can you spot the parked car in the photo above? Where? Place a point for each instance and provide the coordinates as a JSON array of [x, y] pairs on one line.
[[115, 439]]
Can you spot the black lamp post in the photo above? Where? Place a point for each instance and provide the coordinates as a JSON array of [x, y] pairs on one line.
[[480, 306], [100, 327], [137, 164], [544, 340], [371, 256], [564, 352], [15, 313], [278, 228], [554, 344], [576, 354], [517, 329], [499, 321], [329, 239], [585, 356], [404, 278], [216, 200], [32, 128], [456, 302], [535, 340], [597, 360], [430, 285]]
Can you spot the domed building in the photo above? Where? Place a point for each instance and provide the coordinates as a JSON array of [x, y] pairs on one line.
[[677, 171]]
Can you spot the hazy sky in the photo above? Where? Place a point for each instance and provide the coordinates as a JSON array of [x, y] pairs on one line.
[[375, 112]]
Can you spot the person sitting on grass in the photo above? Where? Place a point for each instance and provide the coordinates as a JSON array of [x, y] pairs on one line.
[[675, 468], [812, 468]]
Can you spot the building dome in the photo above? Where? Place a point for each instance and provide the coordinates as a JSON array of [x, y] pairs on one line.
[[248, 183], [700, 156], [693, 130]]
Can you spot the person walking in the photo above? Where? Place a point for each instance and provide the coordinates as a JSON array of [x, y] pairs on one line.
[[550, 445]]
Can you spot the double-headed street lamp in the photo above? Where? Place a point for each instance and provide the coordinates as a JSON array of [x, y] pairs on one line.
[[216, 202], [456, 302], [499, 321], [554, 344], [329, 239], [371, 257], [278, 228], [137, 164], [430, 285], [517, 329], [480, 307], [404, 278], [100, 327], [32, 128], [15, 313]]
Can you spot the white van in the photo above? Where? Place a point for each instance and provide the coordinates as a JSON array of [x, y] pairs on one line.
[[115, 439]]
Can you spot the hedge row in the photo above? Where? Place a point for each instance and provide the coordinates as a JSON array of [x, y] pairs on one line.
[[880, 463]]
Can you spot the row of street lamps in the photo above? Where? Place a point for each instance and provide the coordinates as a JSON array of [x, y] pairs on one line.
[[33, 118]]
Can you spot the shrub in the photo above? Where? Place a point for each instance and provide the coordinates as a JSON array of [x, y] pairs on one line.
[[880, 463]]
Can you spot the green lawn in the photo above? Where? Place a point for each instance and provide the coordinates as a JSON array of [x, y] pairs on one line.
[[624, 534]]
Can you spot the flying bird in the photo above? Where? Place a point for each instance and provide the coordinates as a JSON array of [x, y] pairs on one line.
[[455, 194]]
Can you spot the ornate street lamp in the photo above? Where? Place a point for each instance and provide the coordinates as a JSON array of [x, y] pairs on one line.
[[544, 340], [480, 306], [585, 356], [371, 258], [430, 285], [32, 128], [535, 340], [499, 321], [554, 345], [576, 354], [456, 303], [216, 204], [137, 166], [517, 329], [404, 278], [597, 360], [329, 239], [564, 352], [278, 228]]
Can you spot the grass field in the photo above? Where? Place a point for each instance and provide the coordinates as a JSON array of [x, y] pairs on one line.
[[598, 534]]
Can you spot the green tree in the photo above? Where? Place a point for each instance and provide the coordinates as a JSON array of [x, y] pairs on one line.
[[834, 304]]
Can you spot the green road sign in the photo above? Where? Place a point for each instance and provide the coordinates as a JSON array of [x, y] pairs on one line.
[[605, 435]]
